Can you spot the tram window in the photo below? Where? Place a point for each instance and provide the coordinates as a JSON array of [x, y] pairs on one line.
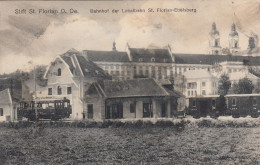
[[51, 105], [44, 106], [39, 105], [25, 105]]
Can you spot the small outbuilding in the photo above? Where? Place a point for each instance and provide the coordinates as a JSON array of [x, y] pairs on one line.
[[7, 107]]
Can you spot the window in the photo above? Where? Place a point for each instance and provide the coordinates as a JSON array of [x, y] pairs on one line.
[[122, 73], [254, 102], [147, 110], [117, 73], [191, 93], [117, 66], [147, 73], [59, 72], [1, 112], [132, 108], [214, 84], [188, 93], [194, 103], [236, 45], [49, 91], [68, 90], [112, 66], [153, 72], [203, 92], [153, 59], [203, 84], [140, 72], [90, 111], [140, 59], [213, 103], [59, 90], [234, 101], [192, 85]]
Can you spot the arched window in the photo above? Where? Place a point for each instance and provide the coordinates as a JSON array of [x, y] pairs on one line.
[[235, 45], [59, 91], [216, 43], [59, 72], [153, 59]]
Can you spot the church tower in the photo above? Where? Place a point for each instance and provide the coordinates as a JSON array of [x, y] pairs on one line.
[[234, 41], [214, 41]]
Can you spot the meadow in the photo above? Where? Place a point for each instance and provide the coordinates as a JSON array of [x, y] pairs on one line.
[[202, 141]]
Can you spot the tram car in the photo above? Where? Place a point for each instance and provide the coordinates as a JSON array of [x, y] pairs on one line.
[[202, 106], [242, 105], [236, 105], [53, 109]]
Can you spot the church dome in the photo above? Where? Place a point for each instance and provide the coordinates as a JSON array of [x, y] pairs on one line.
[[233, 31], [214, 30]]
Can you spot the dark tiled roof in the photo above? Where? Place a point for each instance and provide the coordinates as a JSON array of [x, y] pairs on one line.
[[135, 88], [77, 62], [212, 59], [107, 56], [90, 68], [160, 55]]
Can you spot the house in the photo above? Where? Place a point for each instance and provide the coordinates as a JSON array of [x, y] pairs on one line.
[[136, 98], [68, 76], [200, 83], [7, 106]]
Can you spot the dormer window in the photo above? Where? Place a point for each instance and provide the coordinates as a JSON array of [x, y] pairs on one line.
[[140, 59], [153, 59], [59, 72]]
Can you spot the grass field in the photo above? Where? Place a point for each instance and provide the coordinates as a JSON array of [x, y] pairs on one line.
[[199, 142]]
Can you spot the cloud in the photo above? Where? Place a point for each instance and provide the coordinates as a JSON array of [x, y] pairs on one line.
[[42, 37]]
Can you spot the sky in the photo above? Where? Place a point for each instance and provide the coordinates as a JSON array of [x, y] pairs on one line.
[[36, 39]]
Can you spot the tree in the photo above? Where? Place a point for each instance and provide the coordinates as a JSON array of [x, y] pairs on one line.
[[226, 51], [224, 84], [223, 88], [244, 86]]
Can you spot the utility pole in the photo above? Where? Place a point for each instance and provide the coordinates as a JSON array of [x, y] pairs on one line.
[[35, 94]]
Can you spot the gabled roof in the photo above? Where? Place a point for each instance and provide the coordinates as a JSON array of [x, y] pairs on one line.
[[212, 59], [5, 97], [107, 56], [146, 55], [80, 66], [135, 88]]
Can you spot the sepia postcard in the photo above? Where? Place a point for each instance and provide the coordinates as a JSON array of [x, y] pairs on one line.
[[130, 82]]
